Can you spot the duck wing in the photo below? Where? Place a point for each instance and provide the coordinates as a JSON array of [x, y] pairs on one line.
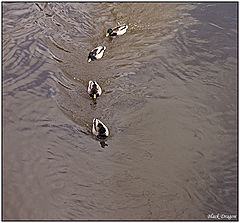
[[95, 51], [100, 49], [90, 86], [119, 28], [95, 125]]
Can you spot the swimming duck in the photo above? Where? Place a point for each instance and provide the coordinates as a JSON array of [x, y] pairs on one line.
[[94, 90], [96, 53], [117, 31], [99, 129]]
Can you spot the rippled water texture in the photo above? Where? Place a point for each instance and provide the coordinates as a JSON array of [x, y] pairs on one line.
[[169, 100]]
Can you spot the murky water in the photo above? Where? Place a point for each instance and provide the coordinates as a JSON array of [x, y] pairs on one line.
[[169, 100]]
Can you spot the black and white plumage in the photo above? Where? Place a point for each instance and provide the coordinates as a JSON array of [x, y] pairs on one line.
[[94, 90], [96, 53], [117, 31], [99, 129]]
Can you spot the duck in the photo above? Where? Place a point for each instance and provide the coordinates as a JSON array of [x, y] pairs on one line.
[[96, 53], [94, 90], [117, 31], [99, 129]]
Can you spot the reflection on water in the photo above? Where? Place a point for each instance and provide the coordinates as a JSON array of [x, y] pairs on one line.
[[169, 99]]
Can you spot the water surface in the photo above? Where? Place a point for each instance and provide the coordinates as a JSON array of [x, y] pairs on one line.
[[169, 100]]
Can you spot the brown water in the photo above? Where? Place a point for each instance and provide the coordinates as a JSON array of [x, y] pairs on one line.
[[169, 100]]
